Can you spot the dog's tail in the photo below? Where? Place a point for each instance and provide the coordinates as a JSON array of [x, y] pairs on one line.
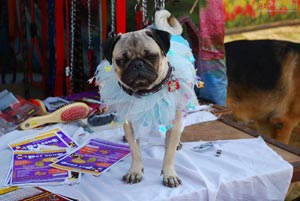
[[166, 22]]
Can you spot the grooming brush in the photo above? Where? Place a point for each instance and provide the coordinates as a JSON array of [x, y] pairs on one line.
[[68, 113]]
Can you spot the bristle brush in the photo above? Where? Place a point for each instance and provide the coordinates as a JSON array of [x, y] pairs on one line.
[[68, 113]]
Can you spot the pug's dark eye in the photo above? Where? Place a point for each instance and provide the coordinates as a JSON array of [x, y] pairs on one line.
[[121, 62], [152, 57]]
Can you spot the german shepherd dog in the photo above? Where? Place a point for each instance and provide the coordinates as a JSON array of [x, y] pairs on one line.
[[264, 85]]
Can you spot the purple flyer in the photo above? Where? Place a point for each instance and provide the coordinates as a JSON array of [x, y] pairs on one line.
[[33, 167], [54, 137], [95, 157], [67, 139]]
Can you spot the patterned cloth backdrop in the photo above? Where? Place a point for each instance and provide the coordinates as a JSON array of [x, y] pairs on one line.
[[241, 13]]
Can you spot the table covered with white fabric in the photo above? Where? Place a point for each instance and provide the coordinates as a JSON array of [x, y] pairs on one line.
[[247, 169]]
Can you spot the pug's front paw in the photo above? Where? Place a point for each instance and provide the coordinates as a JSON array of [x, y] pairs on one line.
[[170, 179], [133, 176]]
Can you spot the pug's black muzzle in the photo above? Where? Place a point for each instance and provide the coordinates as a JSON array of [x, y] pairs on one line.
[[139, 74]]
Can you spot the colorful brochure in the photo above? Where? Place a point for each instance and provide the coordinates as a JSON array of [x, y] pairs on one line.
[[33, 167], [95, 157], [55, 137], [33, 155], [33, 194]]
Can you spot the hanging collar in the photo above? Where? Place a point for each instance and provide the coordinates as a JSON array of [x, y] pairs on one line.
[[153, 90]]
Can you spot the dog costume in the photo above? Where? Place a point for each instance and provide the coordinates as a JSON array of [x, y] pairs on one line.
[[154, 110]]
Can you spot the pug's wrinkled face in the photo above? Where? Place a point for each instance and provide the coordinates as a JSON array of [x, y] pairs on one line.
[[139, 58]]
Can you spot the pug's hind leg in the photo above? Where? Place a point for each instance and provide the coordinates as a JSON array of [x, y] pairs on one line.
[[135, 173], [170, 178]]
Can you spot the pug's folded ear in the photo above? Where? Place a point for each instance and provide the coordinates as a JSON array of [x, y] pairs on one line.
[[108, 47], [162, 38]]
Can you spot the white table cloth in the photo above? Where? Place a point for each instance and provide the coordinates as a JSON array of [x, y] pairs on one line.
[[247, 169]]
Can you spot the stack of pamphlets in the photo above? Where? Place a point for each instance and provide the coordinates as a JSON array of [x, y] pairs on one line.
[[53, 157], [33, 155], [32, 194]]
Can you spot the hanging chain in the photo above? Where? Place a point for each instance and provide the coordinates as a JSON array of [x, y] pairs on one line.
[[78, 80], [144, 9], [73, 14], [100, 26], [159, 5], [24, 52], [112, 32], [89, 25], [137, 6]]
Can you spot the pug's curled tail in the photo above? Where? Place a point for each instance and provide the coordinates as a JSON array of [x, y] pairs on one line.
[[166, 22]]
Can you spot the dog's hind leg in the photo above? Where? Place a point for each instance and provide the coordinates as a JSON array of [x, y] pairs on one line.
[[264, 127], [278, 128], [283, 128], [170, 178], [135, 173]]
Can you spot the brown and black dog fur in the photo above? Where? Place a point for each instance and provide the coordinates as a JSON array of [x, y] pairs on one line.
[[264, 84]]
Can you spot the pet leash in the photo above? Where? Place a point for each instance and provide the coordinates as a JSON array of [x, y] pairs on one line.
[[142, 20], [34, 43], [138, 15], [77, 76], [59, 43], [103, 20], [68, 71], [24, 50], [145, 16], [112, 32], [90, 53]]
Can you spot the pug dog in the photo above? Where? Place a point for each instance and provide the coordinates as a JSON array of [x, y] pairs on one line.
[[141, 83], [139, 59]]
